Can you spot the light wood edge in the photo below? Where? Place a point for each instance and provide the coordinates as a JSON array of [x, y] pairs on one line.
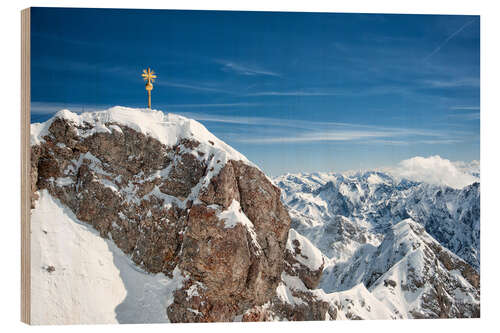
[[25, 167]]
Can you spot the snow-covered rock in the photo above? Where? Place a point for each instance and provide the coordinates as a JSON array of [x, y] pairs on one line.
[[416, 277], [176, 200], [414, 246], [299, 298], [340, 213]]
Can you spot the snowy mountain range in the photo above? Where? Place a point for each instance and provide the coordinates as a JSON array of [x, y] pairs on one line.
[[397, 237], [140, 216], [365, 204]]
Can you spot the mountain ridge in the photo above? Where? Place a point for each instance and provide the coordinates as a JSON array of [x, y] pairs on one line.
[[362, 224], [186, 202], [373, 201], [212, 238]]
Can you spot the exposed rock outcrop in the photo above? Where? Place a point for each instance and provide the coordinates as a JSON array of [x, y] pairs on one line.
[[189, 202], [297, 298]]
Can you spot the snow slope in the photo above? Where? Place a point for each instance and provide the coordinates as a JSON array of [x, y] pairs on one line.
[[408, 276], [418, 274], [309, 255], [355, 303], [69, 259]]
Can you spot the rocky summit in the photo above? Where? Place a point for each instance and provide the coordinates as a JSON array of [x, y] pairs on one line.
[[170, 224], [169, 195]]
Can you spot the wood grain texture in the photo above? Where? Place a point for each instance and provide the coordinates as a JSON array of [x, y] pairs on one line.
[[25, 167]]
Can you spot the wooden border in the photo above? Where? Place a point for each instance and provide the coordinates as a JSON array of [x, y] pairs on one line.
[[25, 167]]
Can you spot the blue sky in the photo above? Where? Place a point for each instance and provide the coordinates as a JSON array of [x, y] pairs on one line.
[[292, 91]]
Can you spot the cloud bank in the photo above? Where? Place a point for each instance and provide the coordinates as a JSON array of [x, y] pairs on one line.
[[434, 170]]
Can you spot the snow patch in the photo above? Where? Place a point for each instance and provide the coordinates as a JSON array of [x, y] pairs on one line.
[[64, 181], [285, 295], [374, 179], [357, 301], [234, 215], [69, 259], [309, 255]]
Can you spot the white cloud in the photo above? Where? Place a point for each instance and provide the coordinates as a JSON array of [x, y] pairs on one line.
[[433, 170], [346, 135], [453, 83], [296, 93], [306, 131], [211, 105], [466, 116], [473, 167], [193, 87], [463, 107], [246, 70]]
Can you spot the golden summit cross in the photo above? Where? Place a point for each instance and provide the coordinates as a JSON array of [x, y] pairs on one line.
[[149, 76]]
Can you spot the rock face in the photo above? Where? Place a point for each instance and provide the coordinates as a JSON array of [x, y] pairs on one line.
[[188, 201], [298, 299], [295, 297]]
